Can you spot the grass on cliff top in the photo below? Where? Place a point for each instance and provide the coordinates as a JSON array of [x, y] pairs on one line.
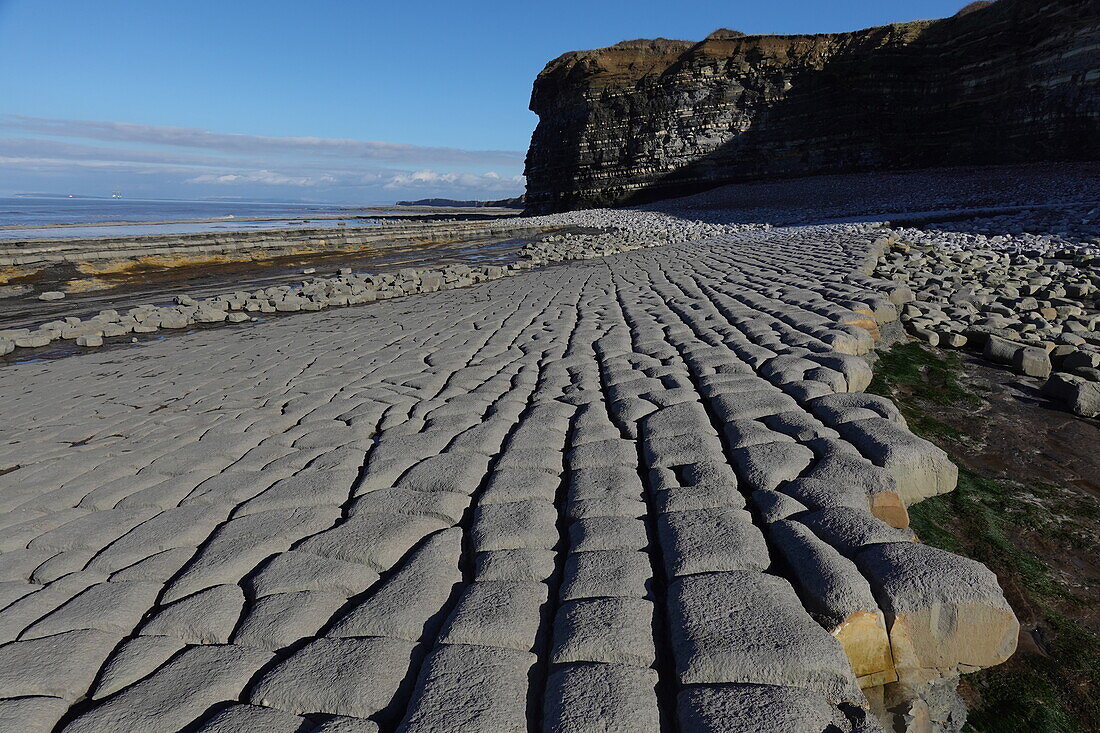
[[1053, 685]]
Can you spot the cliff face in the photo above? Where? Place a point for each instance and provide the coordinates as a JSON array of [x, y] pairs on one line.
[[1005, 82]]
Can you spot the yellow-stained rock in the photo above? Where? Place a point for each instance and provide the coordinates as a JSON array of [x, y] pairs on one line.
[[946, 614], [888, 506], [865, 641]]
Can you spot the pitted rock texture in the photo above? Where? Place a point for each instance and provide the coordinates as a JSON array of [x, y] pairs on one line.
[[635, 492], [1011, 81]]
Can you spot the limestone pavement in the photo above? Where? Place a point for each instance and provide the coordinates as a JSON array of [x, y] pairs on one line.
[[643, 492]]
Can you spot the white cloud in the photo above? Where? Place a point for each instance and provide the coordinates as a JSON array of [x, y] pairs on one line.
[[31, 163], [190, 137], [434, 179], [265, 177], [188, 163]]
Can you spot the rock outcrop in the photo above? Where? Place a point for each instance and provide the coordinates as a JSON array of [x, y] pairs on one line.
[[24, 259], [1010, 81]]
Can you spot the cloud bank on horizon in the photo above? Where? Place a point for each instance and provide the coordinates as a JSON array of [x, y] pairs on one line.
[[98, 157]]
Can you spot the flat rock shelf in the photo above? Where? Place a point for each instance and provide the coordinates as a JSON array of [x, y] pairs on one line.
[[639, 492]]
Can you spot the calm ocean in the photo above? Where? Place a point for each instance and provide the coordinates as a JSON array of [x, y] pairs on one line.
[[28, 214]]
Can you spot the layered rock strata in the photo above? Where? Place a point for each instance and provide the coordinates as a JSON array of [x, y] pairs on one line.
[[1011, 81], [627, 493], [106, 255]]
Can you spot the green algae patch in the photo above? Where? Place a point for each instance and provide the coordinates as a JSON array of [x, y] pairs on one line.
[[1025, 530]]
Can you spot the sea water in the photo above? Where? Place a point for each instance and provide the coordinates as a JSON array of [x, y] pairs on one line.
[[26, 217]]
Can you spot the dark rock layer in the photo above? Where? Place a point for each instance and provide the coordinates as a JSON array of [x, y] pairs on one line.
[[1005, 82]]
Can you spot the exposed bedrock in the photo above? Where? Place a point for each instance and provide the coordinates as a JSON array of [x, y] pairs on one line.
[[1011, 81], [636, 492], [21, 259]]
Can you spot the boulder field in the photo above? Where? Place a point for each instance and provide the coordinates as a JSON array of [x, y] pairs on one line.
[[1027, 298]]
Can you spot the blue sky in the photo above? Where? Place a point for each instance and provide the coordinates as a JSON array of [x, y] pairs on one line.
[[339, 101]]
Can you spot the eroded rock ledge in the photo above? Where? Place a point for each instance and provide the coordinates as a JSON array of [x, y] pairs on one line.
[[106, 255], [1011, 81]]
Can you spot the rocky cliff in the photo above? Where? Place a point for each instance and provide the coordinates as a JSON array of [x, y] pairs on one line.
[[1010, 81]]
